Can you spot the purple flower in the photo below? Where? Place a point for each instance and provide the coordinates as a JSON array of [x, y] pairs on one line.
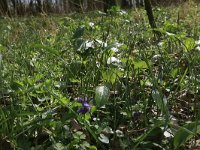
[[85, 106], [137, 115]]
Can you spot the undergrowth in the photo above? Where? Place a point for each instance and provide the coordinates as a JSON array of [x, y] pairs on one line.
[[101, 81]]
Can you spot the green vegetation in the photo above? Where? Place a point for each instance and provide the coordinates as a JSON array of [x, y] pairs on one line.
[[101, 81]]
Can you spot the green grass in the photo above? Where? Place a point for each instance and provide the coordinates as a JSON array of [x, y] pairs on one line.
[[147, 98]]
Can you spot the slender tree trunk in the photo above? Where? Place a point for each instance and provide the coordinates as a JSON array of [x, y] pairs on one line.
[[14, 6], [66, 6], [47, 6], [20, 7], [4, 7], [39, 6], [148, 8], [108, 4], [149, 11], [85, 5], [30, 6]]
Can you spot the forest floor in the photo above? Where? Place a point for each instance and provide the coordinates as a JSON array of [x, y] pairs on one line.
[[101, 81]]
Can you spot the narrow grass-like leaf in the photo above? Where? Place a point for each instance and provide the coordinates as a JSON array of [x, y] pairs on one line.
[[185, 133], [47, 48], [160, 101]]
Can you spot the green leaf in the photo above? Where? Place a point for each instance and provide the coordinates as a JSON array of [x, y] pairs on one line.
[[155, 133], [92, 148], [79, 135], [16, 85], [79, 32], [149, 145], [189, 44], [101, 95], [149, 135], [174, 72], [139, 64], [2, 48], [160, 101], [185, 133], [64, 101], [58, 146], [111, 75]]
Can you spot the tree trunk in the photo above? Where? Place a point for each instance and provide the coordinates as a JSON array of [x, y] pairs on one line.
[[39, 6], [14, 6], [108, 4], [66, 6], [4, 7], [148, 8], [85, 5], [47, 6]]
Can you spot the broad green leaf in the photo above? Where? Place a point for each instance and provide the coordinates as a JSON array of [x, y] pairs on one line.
[[64, 100], [139, 64], [101, 95], [79, 135], [189, 44], [185, 133], [79, 32], [92, 148], [2, 48], [174, 72], [79, 44], [154, 133], [16, 85], [111, 75], [58, 146]]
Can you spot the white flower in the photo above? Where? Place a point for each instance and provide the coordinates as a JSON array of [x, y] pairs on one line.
[[113, 60], [122, 12], [119, 133], [97, 64], [89, 44], [198, 48], [91, 24], [116, 44], [127, 21], [198, 43], [101, 13], [160, 43], [170, 34], [168, 133], [86, 45], [156, 58], [103, 44], [114, 49]]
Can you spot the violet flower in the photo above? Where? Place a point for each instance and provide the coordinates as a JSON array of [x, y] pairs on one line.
[[85, 106], [137, 115]]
